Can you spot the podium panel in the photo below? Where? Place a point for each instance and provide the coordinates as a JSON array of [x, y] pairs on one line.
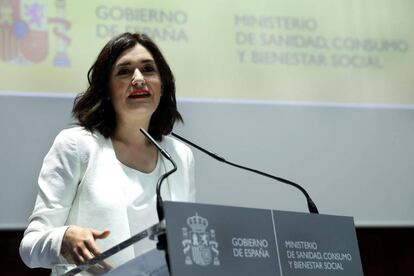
[[219, 240], [216, 240]]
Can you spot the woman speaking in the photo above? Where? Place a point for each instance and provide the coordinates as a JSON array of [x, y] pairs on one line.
[[97, 182]]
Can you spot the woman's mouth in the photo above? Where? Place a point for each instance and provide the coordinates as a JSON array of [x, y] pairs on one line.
[[138, 94]]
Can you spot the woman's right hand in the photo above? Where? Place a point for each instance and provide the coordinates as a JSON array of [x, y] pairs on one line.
[[80, 243]]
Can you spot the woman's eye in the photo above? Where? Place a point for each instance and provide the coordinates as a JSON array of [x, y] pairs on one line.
[[124, 71], [148, 68]]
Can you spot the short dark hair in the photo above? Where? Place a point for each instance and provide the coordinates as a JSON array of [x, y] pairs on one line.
[[93, 108]]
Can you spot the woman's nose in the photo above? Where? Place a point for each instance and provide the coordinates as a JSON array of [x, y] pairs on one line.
[[137, 78]]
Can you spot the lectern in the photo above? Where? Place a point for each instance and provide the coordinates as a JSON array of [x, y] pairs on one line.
[[217, 240]]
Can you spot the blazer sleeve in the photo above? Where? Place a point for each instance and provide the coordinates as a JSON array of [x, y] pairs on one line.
[[58, 181]]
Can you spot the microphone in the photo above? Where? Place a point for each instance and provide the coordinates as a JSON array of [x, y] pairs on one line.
[[162, 238], [311, 205], [160, 204]]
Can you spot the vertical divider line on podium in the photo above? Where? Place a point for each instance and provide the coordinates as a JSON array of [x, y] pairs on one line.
[[276, 242]]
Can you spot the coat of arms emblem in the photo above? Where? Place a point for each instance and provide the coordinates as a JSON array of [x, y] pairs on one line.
[[200, 246], [24, 31]]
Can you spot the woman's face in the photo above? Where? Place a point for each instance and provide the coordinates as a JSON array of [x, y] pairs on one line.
[[135, 84]]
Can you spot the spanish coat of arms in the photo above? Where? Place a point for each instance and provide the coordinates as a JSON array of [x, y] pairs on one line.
[[200, 246]]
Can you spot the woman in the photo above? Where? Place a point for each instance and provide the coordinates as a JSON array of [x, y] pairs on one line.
[[97, 183]]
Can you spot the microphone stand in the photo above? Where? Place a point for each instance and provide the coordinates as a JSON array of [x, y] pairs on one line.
[[162, 238], [311, 205], [160, 202]]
